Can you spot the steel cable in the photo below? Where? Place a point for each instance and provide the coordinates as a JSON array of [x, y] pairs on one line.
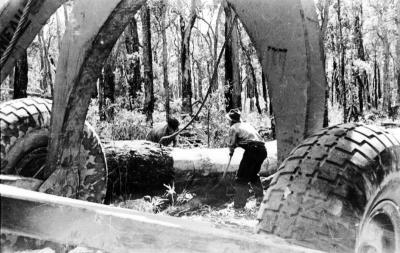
[[17, 34]]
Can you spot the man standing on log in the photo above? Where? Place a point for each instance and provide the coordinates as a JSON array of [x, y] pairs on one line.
[[242, 134]]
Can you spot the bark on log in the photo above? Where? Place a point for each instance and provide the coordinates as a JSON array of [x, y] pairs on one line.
[[137, 166], [142, 166]]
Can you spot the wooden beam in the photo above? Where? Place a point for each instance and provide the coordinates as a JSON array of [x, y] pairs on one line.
[[112, 229]]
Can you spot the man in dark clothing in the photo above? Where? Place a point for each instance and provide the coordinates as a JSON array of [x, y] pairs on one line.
[[242, 134], [168, 128]]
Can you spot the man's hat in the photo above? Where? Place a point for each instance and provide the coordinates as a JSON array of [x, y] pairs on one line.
[[233, 115]]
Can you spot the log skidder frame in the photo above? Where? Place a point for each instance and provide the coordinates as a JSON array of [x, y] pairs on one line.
[[87, 43], [292, 67], [293, 70]]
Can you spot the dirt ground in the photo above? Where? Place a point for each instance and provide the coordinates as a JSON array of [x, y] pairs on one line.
[[200, 204], [223, 215]]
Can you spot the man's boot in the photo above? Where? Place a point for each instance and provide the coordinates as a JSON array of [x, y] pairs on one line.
[[241, 195], [258, 191]]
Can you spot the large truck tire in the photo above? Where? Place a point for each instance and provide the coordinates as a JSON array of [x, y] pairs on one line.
[[318, 195], [24, 126], [379, 229]]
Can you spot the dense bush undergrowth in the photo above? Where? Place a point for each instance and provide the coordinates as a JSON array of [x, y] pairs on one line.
[[131, 124]]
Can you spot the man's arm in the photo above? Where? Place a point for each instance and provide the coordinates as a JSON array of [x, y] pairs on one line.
[[150, 135], [232, 141]]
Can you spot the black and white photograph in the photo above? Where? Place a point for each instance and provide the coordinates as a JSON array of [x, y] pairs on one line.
[[200, 126]]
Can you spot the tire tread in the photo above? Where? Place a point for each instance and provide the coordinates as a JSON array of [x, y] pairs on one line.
[[320, 175]]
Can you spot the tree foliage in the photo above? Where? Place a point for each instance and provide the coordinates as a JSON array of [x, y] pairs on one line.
[[360, 48]]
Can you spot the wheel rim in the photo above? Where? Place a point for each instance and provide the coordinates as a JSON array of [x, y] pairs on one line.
[[32, 164], [380, 233]]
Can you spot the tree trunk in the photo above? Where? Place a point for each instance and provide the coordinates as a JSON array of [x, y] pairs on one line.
[[386, 80], [178, 49], [342, 63], [272, 116], [386, 103], [106, 92], [194, 81], [257, 96], [179, 84], [336, 80], [265, 91], [375, 83], [136, 167], [398, 85], [47, 78], [215, 53], [398, 52], [100, 92], [141, 167], [333, 75], [200, 79], [324, 25], [232, 70], [11, 81], [109, 83], [252, 85], [147, 65], [379, 84], [186, 30], [134, 78], [228, 87], [21, 77], [398, 81], [252, 89], [361, 78], [165, 59]]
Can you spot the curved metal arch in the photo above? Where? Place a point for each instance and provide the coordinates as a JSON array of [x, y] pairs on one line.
[[284, 32], [10, 13], [87, 43]]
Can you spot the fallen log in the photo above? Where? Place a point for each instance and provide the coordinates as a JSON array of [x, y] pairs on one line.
[[142, 166], [137, 166]]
